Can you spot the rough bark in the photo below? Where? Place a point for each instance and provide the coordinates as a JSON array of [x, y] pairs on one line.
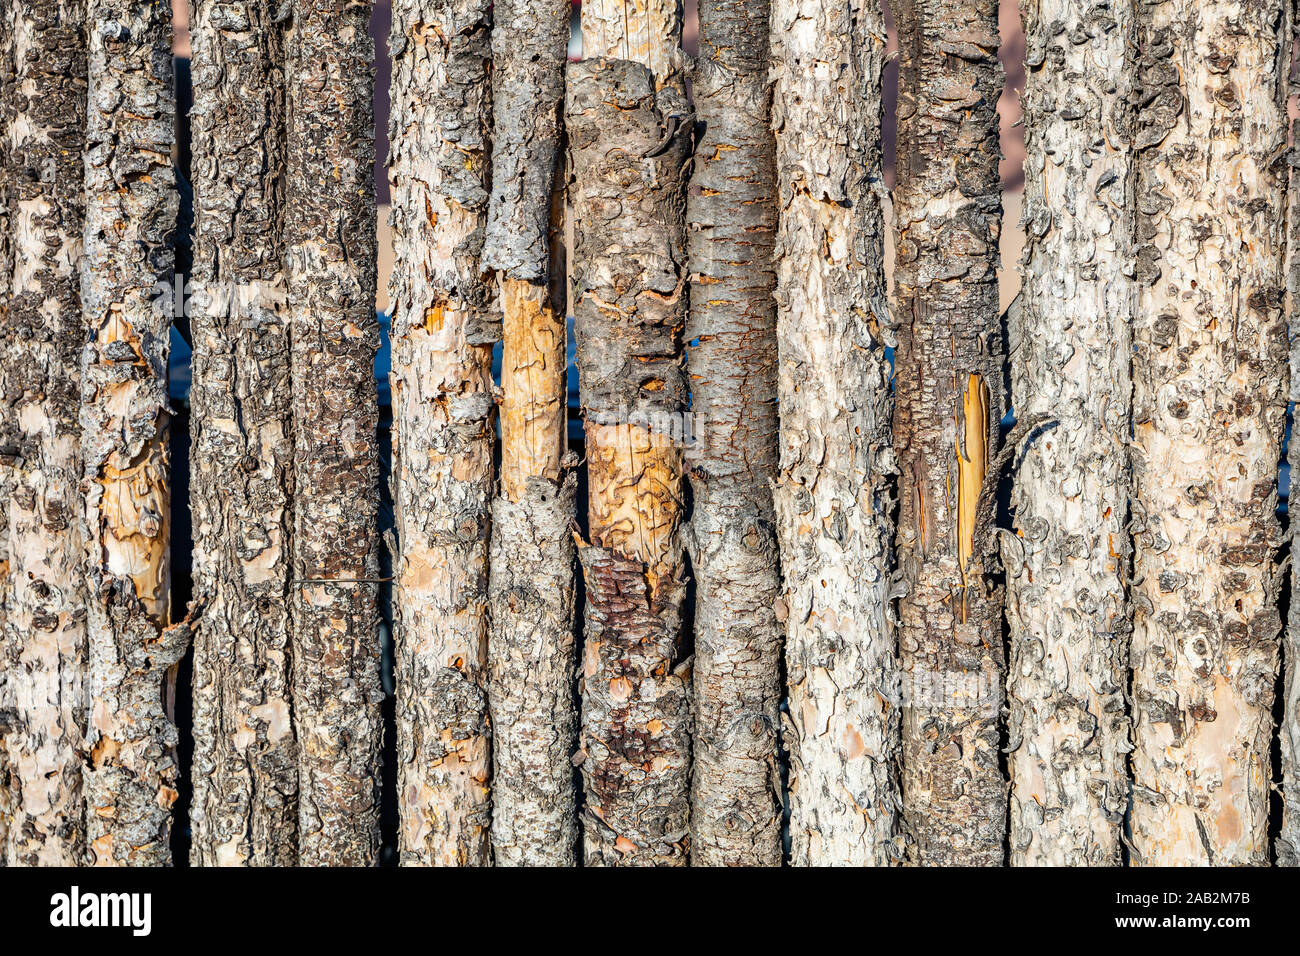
[[1070, 355], [834, 503], [131, 207], [8, 425], [530, 41], [330, 241], [443, 329], [735, 800], [244, 809], [948, 404], [1209, 402], [1288, 839], [628, 147], [531, 649], [48, 605]]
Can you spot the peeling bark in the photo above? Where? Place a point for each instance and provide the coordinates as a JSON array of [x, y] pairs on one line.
[[1288, 839], [531, 649], [833, 494], [1070, 354], [8, 428], [131, 207], [48, 605], [244, 810], [1210, 386], [735, 800], [628, 147], [330, 242], [948, 211], [443, 330]]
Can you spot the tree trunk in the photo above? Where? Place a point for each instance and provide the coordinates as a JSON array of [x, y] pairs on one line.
[[531, 648], [443, 330], [1288, 839], [949, 382], [245, 774], [48, 604], [8, 432], [1210, 387], [330, 239], [833, 494], [126, 275], [1067, 564], [735, 798], [629, 142]]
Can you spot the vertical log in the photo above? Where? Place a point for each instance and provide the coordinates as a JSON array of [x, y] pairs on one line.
[[244, 809], [1209, 399], [1070, 355], [735, 803], [531, 647], [443, 331], [126, 274], [1209, 402], [48, 605], [628, 145], [330, 244], [833, 496], [1288, 840], [8, 427], [948, 211]]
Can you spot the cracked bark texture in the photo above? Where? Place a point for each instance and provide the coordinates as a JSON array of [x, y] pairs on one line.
[[330, 244], [244, 809], [735, 799], [1210, 388], [1288, 838], [1070, 353], [948, 210], [833, 494], [628, 149], [444, 325], [48, 605], [531, 647], [131, 206], [8, 426], [46, 609]]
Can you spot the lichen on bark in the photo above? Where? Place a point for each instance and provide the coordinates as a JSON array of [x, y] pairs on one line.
[[244, 808], [131, 207], [331, 254], [444, 324], [949, 366], [1067, 562]]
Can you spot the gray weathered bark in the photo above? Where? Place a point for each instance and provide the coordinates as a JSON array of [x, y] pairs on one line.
[[1288, 839], [8, 426], [948, 211], [628, 147], [1070, 356], [47, 610], [531, 646], [443, 329], [131, 206], [245, 773], [833, 496], [1209, 401], [735, 801], [330, 244]]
